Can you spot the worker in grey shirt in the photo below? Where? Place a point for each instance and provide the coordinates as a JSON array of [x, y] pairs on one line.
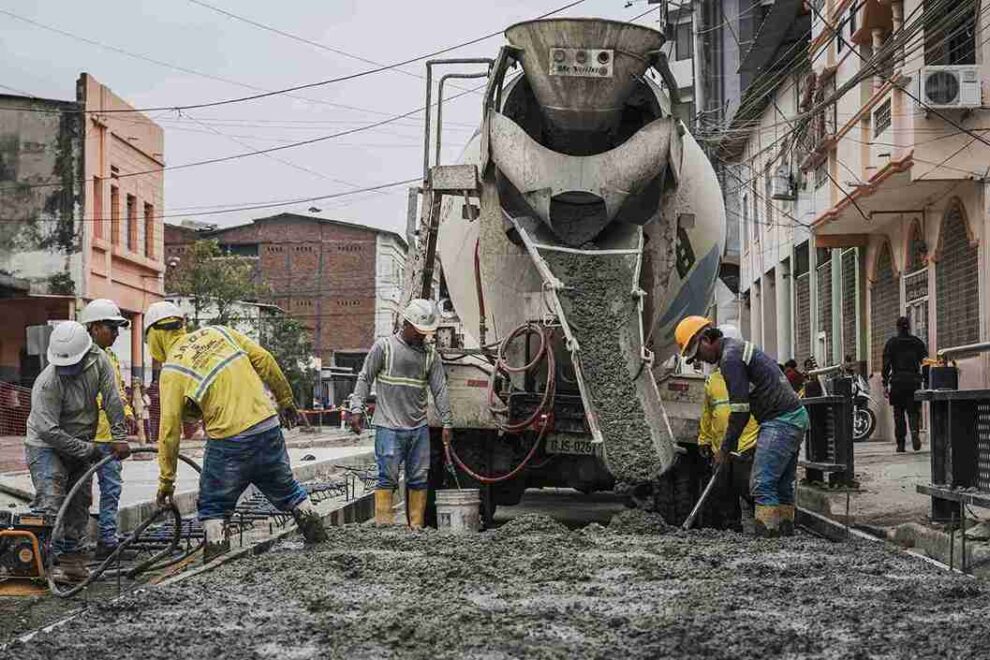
[[60, 430], [403, 367]]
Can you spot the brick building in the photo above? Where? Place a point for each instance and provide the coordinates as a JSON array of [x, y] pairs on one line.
[[342, 280], [81, 193]]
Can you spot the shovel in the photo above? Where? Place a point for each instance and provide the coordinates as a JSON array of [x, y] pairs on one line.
[[704, 496]]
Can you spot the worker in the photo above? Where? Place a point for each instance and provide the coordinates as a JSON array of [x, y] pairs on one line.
[[403, 367], [61, 427], [220, 375], [902, 358], [103, 321], [756, 387], [794, 376], [733, 479]]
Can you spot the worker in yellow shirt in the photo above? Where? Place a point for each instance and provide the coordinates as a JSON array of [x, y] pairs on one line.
[[733, 482], [103, 321], [220, 375]]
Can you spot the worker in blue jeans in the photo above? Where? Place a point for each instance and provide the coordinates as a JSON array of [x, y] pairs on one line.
[[404, 368], [756, 386]]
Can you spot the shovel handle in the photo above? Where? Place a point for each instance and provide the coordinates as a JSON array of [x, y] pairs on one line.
[[704, 498]]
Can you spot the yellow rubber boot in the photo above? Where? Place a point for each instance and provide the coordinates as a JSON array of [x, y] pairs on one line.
[[786, 512], [767, 521], [384, 514], [416, 505]]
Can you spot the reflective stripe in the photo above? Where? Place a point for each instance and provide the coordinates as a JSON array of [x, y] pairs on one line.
[[747, 352], [212, 376], [185, 371], [739, 407], [720, 402], [405, 382]]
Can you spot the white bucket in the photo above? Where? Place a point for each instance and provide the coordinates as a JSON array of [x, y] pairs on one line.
[[458, 511]]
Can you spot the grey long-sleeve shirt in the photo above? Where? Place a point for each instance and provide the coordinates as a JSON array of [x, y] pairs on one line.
[[64, 413], [402, 374]]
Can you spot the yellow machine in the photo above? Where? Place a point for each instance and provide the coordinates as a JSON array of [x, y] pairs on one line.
[[22, 563]]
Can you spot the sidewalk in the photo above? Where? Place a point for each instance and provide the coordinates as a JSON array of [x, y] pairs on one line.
[[888, 505]]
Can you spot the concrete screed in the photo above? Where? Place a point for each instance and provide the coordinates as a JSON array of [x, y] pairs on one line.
[[534, 589]]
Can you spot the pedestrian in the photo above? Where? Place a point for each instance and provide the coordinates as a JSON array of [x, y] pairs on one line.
[[146, 417], [403, 368], [794, 376], [902, 358], [733, 480], [61, 427], [221, 374], [756, 387], [103, 321]]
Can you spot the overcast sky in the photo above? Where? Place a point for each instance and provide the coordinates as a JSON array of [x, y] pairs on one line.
[[192, 37]]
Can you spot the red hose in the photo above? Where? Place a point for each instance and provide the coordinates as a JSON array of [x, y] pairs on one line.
[[502, 365]]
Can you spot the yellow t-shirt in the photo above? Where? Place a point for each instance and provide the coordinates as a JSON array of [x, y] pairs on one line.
[[103, 425], [715, 417]]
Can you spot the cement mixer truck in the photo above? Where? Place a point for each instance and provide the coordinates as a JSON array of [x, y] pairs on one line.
[[580, 224]]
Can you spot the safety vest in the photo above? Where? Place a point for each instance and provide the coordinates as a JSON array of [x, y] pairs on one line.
[[103, 423], [388, 375], [201, 357]]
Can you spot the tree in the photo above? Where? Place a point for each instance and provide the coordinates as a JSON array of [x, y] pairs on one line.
[[289, 342], [213, 281]]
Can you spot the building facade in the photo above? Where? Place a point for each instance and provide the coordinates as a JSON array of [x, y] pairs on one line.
[[81, 194], [342, 280], [865, 195]]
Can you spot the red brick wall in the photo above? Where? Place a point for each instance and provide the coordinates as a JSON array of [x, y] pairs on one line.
[[320, 273]]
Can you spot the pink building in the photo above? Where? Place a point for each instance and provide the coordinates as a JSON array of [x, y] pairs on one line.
[[82, 194]]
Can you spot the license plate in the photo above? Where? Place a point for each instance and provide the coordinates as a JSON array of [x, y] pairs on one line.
[[576, 446]]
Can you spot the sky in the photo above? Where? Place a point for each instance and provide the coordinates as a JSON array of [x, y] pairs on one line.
[[201, 55]]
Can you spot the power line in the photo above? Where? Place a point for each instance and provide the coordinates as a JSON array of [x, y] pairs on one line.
[[296, 88]]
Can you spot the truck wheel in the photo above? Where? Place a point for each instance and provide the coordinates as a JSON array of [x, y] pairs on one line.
[[674, 496]]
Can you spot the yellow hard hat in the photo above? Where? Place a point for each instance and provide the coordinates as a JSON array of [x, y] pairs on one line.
[[687, 331]]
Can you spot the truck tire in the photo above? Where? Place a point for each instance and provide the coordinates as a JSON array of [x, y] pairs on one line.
[[674, 493]]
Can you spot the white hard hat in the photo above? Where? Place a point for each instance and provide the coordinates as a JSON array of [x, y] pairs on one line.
[[730, 331], [69, 342], [102, 309], [422, 315], [160, 311]]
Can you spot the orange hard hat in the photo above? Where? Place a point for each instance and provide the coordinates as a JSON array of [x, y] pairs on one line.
[[687, 332]]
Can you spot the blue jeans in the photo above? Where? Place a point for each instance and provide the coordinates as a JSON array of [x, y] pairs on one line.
[[229, 466], [53, 475], [775, 463], [108, 477], [396, 446]]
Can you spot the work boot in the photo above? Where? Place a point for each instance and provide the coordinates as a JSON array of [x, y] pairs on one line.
[[103, 550], [767, 521], [384, 514], [217, 542], [900, 446], [915, 442], [71, 568], [786, 513], [416, 505], [309, 522]]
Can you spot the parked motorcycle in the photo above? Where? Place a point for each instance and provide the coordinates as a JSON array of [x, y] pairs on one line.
[[864, 419]]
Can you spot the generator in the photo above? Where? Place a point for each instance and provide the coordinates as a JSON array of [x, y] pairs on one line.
[[24, 537]]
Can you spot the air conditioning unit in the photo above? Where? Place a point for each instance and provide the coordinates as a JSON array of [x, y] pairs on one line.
[[782, 185], [950, 86]]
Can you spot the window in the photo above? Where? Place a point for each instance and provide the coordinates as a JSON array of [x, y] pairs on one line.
[[149, 231], [802, 304], [852, 19], [881, 118], [885, 305], [131, 225], [684, 45], [768, 195], [114, 215], [756, 215], [97, 218], [957, 278], [821, 173], [954, 43]]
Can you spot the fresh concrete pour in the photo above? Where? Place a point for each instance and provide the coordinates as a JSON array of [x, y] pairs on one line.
[[534, 589], [597, 312]]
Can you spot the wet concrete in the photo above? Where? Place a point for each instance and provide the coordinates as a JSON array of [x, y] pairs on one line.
[[534, 589], [599, 303]]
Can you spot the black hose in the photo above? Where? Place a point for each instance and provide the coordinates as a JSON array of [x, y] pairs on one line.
[[154, 562]]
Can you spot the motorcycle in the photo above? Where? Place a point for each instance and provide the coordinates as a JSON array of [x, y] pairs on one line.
[[864, 419]]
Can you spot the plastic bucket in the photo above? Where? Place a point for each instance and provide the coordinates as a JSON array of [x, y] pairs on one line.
[[458, 511]]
